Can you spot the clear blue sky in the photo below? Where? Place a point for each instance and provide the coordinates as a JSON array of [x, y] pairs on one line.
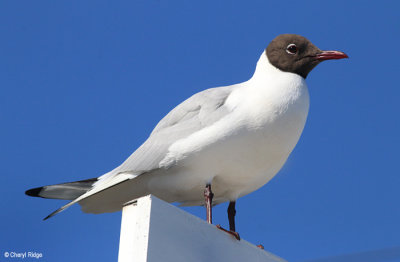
[[82, 84]]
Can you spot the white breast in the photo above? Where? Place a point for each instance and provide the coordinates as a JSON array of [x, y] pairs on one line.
[[273, 108], [246, 149]]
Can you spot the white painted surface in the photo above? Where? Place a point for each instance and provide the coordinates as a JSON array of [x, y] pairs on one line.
[[155, 231], [135, 230]]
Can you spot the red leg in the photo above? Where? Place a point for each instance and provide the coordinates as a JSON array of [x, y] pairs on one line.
[[208, 196]]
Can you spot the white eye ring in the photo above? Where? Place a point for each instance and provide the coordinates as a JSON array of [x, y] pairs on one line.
[[291, 49]]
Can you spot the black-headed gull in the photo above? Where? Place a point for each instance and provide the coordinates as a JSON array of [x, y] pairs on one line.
[[233, 138]]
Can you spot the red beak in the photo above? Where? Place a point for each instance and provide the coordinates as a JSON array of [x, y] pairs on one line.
[[327, 55]]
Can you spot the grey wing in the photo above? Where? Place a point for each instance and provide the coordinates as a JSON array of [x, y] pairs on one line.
[[192, 115], [199, 111]]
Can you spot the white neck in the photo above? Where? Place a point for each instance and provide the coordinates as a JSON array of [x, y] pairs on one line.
[[270, 86], [265, 70]]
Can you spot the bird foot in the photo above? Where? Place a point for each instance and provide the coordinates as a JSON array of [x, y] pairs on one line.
[[233, 233]]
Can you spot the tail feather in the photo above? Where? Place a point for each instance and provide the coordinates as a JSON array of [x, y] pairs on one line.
[[68, 191], [106, 183]]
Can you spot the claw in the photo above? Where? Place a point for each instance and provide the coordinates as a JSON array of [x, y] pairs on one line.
[[233, 233]]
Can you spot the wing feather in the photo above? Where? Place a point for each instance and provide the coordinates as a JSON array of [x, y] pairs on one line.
[[199, 111]]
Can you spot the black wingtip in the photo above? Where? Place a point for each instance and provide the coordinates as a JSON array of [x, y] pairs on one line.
[[47, 217], [34, 192], [52, 214], [55, 212]]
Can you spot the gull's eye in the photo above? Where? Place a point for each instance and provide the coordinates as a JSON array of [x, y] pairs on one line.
[[291, 49]]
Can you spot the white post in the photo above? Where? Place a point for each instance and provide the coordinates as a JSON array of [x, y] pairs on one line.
[[153, 231], [135, 230]]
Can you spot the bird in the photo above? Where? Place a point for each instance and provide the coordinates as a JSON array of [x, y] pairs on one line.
[[218, 145]]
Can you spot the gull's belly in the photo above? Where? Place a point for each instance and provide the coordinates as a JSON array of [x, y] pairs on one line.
[[239, 153], [254, 158], [235, 165]]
